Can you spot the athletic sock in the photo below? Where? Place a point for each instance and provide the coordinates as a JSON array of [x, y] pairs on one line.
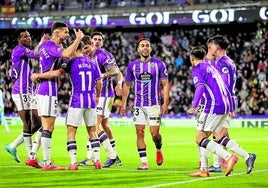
[[36, 144], [18, 141], [214, 147], [217, 161], [112, 141], [89, 150], [107, 145], [234, 147], [95, 145], [46, 146], [143, 155], [203, 159], [72, 148], [27, 137]]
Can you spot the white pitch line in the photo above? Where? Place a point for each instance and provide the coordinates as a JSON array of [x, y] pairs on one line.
[[199, 179]]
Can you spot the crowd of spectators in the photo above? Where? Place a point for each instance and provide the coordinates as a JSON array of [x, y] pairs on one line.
[[248, 49]]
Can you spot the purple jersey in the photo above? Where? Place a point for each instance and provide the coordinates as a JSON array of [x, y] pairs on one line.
[[83, 73], [215, 91], [105, 60], [227, 69], [49, 56], [21, 70], [210, 62], [147, 77]]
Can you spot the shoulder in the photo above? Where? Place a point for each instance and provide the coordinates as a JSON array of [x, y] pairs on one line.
[[132, 63], [108, 54], [202, 68], [158, 61], [19, 48], [225, 60], [50, 44], [100, 51]]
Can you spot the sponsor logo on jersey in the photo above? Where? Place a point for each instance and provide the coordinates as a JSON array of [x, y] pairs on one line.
[[145, 77]]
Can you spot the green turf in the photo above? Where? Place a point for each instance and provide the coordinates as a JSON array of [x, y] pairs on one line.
[[180, 159]]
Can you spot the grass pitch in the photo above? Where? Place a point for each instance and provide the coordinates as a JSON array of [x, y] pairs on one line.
[[180, 159]]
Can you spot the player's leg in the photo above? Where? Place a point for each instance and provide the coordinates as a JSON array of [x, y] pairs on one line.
[[36, 127], [74, 118], [32, 159], [72, 146], [91, 122], [234, 147], [154, 120], [103, 113], [218, 162], [141, 146], [11, 148], [208, 124], [47, 109], [104, 140], [140, 120], [25, 116], [22, 103]]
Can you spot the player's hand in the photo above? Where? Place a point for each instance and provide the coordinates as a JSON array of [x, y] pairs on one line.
[[164, 109], [78, 33], [231, 114], [118, 89], [191, 111], [123, 111], [44, 38], [34, 77]]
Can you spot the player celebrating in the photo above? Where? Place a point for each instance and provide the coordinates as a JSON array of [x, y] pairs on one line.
[[86, 87], [50, 52]]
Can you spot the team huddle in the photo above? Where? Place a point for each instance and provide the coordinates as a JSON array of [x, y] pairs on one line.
[[92, 71]]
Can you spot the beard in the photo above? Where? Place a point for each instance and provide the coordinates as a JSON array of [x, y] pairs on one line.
[[63, 40], [145, 56]]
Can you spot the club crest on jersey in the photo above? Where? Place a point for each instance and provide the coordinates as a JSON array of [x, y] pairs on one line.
[[145, 77], [225, 70], [152, 64], [64, 65], [195, 79], [110, 61]]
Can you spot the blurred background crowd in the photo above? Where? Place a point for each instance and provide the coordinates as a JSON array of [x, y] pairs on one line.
[[171, 44]]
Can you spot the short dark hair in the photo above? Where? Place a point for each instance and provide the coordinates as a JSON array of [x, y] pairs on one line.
[[97, 33], [142, 39], [198, 52], [210, 40], [58, 25], [18, 32], [86, 39], [222, 41]]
